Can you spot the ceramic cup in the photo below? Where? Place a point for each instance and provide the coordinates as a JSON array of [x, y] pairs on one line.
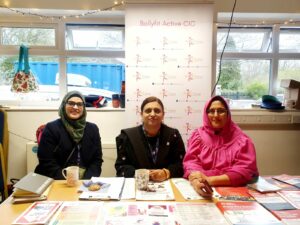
[[290, 103], [71, 174], [115, 101], [142, 179], [122, 100]]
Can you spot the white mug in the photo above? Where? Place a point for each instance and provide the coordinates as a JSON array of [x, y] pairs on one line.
[[290, 103], [142, 179], [71, 174]]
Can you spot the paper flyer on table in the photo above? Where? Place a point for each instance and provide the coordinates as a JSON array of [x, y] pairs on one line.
[[291, 196], [272, 200], [141, 213], [156, 191], [247, 213], [289, 217], [38, 213], [186, 189], [128, 189], [112, 189], [78, 212], [199, 213], [289, 179], [263, 186]]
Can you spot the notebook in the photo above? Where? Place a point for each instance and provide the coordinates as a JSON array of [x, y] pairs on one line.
[[33, 183]]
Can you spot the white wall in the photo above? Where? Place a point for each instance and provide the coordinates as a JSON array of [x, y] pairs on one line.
[[277, 149]]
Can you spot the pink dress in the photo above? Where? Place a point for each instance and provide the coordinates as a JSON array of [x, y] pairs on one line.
[[229, 152]]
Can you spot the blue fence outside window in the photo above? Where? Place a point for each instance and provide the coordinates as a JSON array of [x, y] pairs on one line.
[[102, 76]]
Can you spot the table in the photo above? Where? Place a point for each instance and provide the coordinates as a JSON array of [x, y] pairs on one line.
[[58, 192]]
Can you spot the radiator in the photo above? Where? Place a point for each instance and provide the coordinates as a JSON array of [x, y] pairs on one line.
[[108, 165]]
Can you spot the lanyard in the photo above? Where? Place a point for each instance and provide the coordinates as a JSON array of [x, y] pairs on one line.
[[78, 155], [153, 151]]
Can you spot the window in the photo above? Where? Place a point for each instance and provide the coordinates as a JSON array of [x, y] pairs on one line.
[[255, 60], [33, 36], [243, 80], [63, 57], [288, 69], [102, 76], [93, 37], [245, 40], [289, 40], [42, 67]]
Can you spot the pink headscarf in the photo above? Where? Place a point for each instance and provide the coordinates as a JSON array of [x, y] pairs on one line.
[[229, 151]]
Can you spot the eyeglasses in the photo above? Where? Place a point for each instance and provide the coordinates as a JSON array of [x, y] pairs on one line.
[[218, 111], [78, 104], [149, 110]]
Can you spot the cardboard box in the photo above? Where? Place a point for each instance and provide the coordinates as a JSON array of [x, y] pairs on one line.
[[292, 91]]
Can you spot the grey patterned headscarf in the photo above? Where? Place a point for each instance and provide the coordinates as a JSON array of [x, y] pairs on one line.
[[74, 127]]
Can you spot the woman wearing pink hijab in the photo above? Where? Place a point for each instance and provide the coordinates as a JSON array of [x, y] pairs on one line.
[[219, 153]]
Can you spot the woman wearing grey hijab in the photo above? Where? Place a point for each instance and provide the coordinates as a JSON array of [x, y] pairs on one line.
[[70, 140]]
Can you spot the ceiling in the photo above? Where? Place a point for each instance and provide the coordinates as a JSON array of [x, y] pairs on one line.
[[277, 10], [263, 6], [60, 4]]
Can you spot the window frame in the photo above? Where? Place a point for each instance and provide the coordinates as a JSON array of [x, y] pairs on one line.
[[59, 50], [274, 56], [107, 27], [29, 25], [290, 28], [243, 29]]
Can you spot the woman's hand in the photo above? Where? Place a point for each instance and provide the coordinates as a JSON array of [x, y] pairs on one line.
[[199, 182], [196, 175], [159, 175]]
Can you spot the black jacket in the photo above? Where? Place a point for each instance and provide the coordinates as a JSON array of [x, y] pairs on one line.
[[56, 146], [134, 153]]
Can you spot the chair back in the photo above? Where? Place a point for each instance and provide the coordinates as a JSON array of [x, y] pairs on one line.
[[3, 154], [2, 116], [3, 176], [4, 135]]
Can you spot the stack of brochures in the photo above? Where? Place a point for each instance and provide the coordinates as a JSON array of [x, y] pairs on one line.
[[263, 186], [32, 187], [289, 179]]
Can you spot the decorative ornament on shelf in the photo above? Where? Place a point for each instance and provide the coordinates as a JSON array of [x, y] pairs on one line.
[[24, 80]]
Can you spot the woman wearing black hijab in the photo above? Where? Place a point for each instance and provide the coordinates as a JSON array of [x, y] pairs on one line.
[[70, 141]]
